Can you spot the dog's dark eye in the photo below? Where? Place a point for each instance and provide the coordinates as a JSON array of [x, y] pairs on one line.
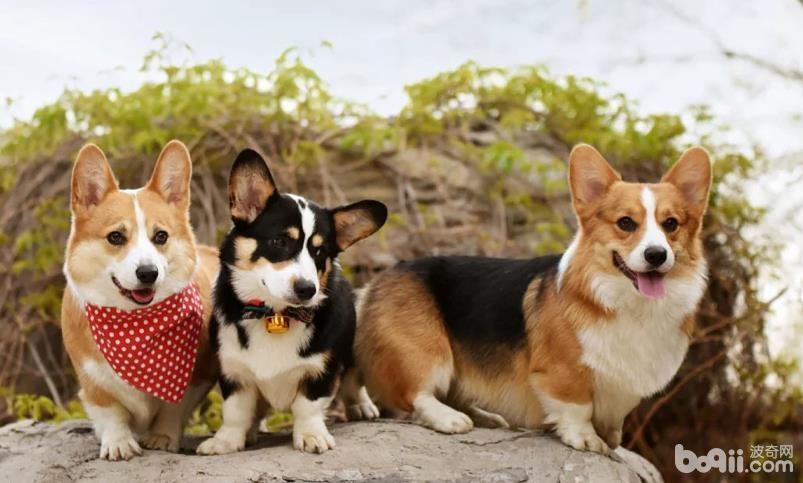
[[670, 225], [115, 238], [278, 242], [160, 238], [626, 223]]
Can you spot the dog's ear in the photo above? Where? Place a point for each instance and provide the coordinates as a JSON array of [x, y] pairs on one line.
[[691, 174], [590, 176], [172, 174], [250, 186], [92, 179], [357, 221]]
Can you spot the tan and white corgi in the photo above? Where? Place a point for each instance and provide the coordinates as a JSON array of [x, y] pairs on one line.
[[137, 304], [573, 341]]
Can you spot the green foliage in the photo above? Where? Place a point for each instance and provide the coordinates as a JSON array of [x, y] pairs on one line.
[[41, 408], [39, 250], [208, 417]]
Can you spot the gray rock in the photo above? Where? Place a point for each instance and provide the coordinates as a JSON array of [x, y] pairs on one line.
[[381, 451]]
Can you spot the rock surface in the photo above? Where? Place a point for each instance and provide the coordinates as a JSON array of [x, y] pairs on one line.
[[374, 451]]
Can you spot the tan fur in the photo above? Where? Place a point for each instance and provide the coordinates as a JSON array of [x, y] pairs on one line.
[[404, 340], [244, 249], [99, 207], [249, 189], [401, 338], [317, 240]]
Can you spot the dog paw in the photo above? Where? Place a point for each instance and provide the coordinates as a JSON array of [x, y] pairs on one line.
[[486, 419], [160, 442], [119, 448], [449, 422], [363, 410], [312, 437], [585, 441], [215, 445], [613, 437]]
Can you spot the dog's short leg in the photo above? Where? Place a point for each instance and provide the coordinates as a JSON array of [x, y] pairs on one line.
[[166, 430], [573, 423], [430, 412], [253, 431], [355, 397], [486, 419], [238, 416], [309, 424], [112, 426]]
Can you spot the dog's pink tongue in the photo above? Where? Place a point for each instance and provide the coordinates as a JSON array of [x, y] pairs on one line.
[[143, 296], [651, 285]]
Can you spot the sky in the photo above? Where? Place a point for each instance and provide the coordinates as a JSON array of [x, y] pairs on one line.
[[665, 54]]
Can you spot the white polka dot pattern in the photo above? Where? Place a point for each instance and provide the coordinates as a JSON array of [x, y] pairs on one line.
[[152, 348]]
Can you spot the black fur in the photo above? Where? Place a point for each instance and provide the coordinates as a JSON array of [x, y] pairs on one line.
[[334, 320], [481, 298]]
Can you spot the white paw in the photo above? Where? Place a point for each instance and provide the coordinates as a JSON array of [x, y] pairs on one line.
[[160, 442], [456, 422], [312, 437], [585, 441], [119, 448], [216, 445], [363, 410], [449, 422]]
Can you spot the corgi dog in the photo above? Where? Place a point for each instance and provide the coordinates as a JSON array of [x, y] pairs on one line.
[[136, 307], [571, 341], [284, 314]]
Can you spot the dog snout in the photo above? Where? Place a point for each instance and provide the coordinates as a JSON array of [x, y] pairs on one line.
[[655, 256], [304, 289], [147, 274]]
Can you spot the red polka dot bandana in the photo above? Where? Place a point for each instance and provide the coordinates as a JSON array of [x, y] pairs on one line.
[[152, 348]]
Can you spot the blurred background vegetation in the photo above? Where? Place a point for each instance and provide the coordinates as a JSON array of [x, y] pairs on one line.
[[473, 164]]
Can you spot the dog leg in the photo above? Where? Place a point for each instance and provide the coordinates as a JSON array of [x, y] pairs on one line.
[[253, 431], [355, 397], [430, 412], [238, 416], [309, 424], [112, 426], [166, 430], [486, 419], [573, 424]]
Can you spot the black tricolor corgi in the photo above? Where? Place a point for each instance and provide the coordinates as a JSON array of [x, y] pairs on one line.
[[284, 314]]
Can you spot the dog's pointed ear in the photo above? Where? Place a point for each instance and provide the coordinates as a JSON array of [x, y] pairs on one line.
[[92, 179], [691, 174], [590, 176], [172, 174], [357, 221], [250, 186]]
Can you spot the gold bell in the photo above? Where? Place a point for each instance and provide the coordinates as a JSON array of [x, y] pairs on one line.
[[277, 324]]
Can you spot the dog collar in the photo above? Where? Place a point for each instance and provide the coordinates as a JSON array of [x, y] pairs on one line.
[[276, 322], [153, 348]]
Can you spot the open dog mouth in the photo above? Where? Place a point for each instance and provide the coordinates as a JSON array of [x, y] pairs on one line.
[[141, 296], [649, 284]]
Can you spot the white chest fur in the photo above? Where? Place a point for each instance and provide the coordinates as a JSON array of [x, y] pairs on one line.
[[640, 350], [635, 355], [271, 361]]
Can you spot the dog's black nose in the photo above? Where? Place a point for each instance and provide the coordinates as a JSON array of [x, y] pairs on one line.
[[147, 273], [655, 256], [304, 289]]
